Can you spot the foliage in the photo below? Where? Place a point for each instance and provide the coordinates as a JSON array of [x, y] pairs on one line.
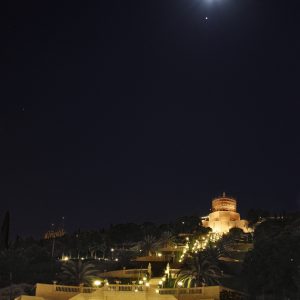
[[255, 215], [166, 239], [4, 233], [15, 290], [148, 245], [125, 233], [236, 233], [78, 272], [272, 267], [186, 224], [213, 253], [31, 265], [199, 269]]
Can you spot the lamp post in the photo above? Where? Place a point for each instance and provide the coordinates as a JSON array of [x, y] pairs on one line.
[[112, 253]]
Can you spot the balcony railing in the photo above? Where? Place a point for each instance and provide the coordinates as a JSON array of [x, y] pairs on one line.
[[180, 291], [74, 289], [125, 288]]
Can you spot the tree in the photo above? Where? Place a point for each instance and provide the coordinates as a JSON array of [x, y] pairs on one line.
[[271, 268], [166, 239], [4, 233], [256, 215], [236, 233], [122, 233], [198, 270], [15, 290], [149, 245], [215, 252], [78, 272], [187, 224]]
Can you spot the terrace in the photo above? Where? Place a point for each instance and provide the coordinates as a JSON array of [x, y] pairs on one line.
[[138, 292]]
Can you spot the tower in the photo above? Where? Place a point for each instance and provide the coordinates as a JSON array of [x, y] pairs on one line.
[[224, 216]]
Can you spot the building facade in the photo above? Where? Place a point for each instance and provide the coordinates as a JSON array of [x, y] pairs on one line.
[[224, 216]]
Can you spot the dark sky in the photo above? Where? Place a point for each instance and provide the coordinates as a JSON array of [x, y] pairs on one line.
[[123, 111]]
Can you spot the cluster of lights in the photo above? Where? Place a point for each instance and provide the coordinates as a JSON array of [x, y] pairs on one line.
[[97, 283], [185, 250], [199, 244], [67, 258], [142, 282], [161, 283], [179, 284]]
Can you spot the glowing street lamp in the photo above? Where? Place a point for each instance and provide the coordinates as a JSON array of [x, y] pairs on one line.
[[97, 283], [112, 253]]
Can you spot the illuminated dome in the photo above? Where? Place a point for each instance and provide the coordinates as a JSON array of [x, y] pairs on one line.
[[224, 216], [224, 204]]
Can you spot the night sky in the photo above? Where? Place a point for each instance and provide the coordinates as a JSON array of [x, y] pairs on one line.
[[133, 111]]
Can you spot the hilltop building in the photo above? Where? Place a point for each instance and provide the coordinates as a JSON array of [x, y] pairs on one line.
[[224, 216]]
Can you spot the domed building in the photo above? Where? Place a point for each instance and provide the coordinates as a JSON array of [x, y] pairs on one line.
[[224, 216]]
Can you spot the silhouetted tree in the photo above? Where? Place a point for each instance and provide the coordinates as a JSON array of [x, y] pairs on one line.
[[166, 239], [78, 272], [4, 233], [199, 270], [148, 245]]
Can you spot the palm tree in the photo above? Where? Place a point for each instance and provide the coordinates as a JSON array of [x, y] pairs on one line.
[[78, 272], [149, 245], [103, 248], [215, 252], [198, 270], [166, 239]]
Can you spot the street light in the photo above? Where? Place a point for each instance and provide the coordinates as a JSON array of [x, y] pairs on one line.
[[112, 253], [97, 283]]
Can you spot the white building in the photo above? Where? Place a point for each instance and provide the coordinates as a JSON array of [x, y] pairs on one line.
[[131, 292]]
